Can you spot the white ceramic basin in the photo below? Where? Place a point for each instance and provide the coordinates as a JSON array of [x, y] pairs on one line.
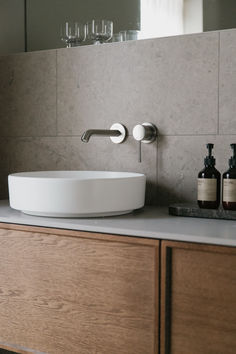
[[76, 193]]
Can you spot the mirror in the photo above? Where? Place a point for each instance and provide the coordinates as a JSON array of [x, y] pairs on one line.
[[45, 17], [28, 25]]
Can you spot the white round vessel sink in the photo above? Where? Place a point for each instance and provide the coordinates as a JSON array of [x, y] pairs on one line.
[[76, 193]]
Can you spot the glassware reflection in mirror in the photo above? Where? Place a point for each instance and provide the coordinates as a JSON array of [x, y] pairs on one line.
[[129, 35], [99, 31], [122, 35], [132, 35], [72, 33], [117, 37]]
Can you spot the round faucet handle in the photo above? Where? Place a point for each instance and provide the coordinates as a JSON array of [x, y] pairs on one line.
[[139, 132], [146, 132]]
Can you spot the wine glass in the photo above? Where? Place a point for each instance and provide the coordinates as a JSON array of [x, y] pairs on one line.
[[99, 31], [72, 33]]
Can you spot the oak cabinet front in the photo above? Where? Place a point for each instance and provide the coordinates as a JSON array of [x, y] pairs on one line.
[[198, 299], [77, 292], [69, 292]]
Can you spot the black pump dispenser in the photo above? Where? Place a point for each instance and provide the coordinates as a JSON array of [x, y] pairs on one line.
[[209, 182], [209, 160], [229, 183], [232, 160]]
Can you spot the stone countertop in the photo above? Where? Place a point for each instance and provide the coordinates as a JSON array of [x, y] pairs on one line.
[[150, 222]]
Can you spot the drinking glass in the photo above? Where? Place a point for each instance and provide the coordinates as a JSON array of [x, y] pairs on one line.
[[129, 35], [99, 31], [122, 35], [132, 35], [117, 37], [72, 33]]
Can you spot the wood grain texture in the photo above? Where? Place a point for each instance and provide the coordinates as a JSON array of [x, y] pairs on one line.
[[80, 234], [78, 292], [198, 297]]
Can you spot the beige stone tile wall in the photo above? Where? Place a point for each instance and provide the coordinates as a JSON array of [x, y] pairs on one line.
[[227, 82], [184, 84], [28, 94], [169, 81]]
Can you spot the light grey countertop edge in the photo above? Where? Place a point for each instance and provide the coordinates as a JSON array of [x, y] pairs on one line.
[[151, 222]]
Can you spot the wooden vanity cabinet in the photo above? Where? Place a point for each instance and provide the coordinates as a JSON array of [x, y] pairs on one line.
[[74, 292], [69, 292], [198, 299]]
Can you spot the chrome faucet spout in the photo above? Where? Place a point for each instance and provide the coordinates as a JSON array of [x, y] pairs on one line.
[[117, 133], [102, 132]]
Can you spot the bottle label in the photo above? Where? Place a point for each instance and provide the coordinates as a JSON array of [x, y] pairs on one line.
[[229, 190], [207, 189]]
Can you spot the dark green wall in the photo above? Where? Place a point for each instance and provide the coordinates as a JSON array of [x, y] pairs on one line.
[[219, 14], [12, 37]]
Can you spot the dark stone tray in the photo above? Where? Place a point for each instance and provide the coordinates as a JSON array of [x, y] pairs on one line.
[[193, 211]]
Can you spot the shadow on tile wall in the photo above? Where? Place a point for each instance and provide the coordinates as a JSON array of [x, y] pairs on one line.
[[182, 84]]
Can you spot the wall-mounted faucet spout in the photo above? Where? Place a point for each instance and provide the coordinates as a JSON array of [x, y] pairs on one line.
[[102, 132], [117, 133]]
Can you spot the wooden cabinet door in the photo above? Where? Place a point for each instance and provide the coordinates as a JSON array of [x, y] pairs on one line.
[[198, 297], [76, 292]]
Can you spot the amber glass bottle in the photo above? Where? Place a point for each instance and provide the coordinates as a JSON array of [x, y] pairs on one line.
[[209, 183], [229, 183]]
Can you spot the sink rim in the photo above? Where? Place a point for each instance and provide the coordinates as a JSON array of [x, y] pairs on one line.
[[77, 175]]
